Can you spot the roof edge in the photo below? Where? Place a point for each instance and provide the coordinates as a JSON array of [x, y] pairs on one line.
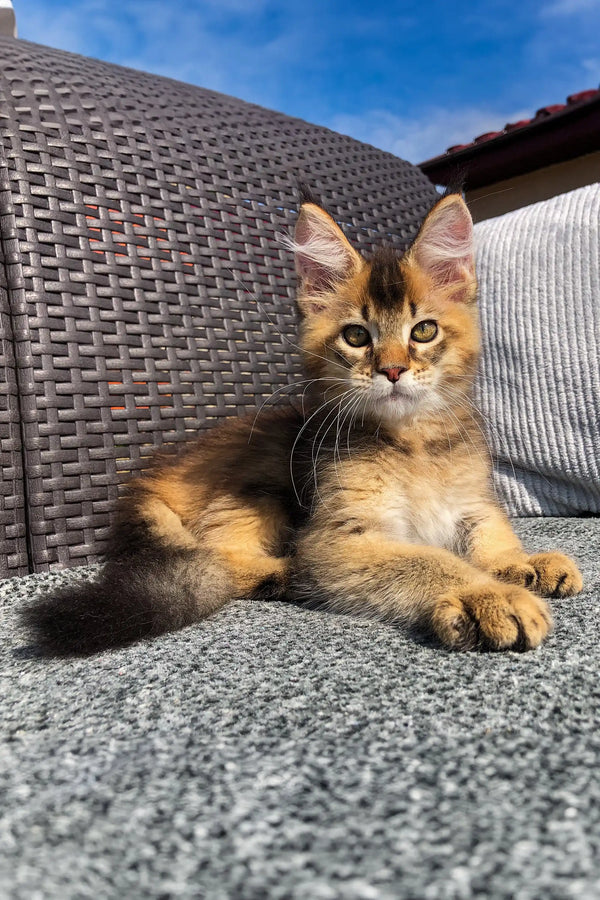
[[571, 132]]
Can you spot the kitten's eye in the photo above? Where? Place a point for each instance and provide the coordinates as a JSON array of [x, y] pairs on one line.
[[424, 331], [356, 336]]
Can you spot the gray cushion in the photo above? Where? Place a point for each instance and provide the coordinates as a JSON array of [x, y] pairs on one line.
[[539, 388]]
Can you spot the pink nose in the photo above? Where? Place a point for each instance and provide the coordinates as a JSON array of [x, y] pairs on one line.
[[393, 373]]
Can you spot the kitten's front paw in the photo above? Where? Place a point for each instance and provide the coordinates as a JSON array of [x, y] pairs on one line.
[[492, 618], [557, 575], [515, 568]]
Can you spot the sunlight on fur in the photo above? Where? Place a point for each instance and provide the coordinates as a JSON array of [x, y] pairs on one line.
[[367, 490]]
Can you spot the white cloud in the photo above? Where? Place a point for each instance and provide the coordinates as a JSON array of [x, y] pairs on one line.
[[569, 7], [204, 44], [592, 68], [214, 44], [430, 134]]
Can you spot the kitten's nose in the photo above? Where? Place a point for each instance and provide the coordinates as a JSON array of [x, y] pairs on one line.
[[392, 373]]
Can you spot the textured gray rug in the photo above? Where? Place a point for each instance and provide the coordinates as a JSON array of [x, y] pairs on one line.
[[283, 753]]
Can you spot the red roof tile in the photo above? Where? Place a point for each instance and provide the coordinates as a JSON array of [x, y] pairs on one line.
[[582, 96], [488, 136], [510, 126], [549, 110], [457, 147]]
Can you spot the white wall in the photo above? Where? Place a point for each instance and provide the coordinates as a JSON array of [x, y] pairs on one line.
[[8, 23]]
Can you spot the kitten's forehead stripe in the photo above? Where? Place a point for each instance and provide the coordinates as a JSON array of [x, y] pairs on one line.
[[386, 281]]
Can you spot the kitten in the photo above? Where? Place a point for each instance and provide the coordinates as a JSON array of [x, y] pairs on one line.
[[373, 498]]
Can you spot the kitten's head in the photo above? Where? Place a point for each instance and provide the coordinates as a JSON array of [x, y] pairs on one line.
[[396, 335]]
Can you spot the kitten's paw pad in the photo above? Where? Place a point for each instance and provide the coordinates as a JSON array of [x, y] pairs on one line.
[[508, 618], [557, 575]]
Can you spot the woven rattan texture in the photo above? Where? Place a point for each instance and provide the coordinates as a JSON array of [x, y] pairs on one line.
[[155, 296], [13, 543]]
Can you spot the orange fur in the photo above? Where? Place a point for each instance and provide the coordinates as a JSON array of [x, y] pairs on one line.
[[405, 525], [376, 498]]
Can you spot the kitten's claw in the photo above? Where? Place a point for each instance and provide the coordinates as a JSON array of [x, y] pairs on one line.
[[492, 618]]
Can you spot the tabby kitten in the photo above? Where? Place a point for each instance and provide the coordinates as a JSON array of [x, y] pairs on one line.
[[374, 497]]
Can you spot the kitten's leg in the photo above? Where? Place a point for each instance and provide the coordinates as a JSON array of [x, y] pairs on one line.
[[256, 574], [250, 539], [242, 537], [424, 586], [493, 546]]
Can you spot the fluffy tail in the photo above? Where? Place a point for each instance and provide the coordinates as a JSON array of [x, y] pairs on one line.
[[138, 595]]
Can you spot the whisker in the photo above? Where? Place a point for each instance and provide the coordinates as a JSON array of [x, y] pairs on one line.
[[504, 448], [463, 430], [347, 413], [353, 413], [277, 330], [315, 456], [345, 408], [298, 436], [290, 387]]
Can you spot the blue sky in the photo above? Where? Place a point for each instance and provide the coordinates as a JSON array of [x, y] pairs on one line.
[[410, 77]]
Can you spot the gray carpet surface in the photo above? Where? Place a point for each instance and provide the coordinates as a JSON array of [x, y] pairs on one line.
[[283, 753]]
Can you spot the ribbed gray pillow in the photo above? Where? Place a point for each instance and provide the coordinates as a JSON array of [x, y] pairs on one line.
[[539, 385]]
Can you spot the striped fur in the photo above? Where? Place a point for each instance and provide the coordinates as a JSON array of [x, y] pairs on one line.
[[371, 494]]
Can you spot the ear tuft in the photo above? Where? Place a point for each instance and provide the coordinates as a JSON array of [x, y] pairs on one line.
[[443, 249], [323, 255]]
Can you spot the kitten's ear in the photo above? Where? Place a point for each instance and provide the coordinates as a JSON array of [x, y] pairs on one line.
[[443, 248], [323, 254]]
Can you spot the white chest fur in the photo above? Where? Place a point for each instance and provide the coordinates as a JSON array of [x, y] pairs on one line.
[[429, 517]]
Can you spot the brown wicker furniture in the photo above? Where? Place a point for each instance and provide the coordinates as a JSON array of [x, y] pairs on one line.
[[143, 290]]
